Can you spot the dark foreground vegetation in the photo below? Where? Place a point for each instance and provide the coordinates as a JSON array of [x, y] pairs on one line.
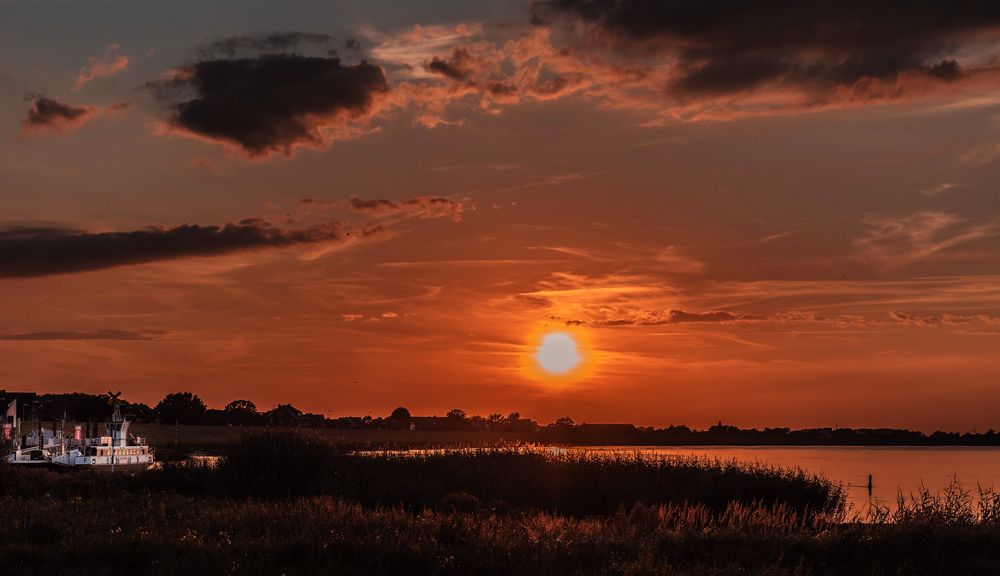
[[282, 504]]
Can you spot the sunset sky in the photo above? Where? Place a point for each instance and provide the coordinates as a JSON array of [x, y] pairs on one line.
[[775, 213]]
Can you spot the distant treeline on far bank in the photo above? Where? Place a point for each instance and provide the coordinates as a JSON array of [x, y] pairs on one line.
[[186, 408]]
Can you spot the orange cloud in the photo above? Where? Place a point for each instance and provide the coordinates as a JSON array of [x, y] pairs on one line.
[[602, 53], [104, 66], [47, 114], [52, 115], [673, 78]]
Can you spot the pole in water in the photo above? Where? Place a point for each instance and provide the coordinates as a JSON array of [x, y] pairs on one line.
[[869, 484]]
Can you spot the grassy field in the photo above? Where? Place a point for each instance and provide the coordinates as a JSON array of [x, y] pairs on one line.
[[299, 504]]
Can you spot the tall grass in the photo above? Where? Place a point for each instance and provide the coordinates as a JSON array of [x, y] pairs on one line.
[[274, 465], [298, 505], [175, 534]]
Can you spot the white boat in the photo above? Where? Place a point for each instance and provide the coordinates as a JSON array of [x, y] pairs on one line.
[[34, 449], [116, 451]]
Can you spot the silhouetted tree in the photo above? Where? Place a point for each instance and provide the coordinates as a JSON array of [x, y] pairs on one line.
[[456, 414], [245, 405], [242, 413], [140, 412], [181, 407], [564, 422], [74, 406], [400, 414]]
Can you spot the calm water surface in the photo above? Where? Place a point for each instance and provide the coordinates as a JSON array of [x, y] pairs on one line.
[[893, 469]]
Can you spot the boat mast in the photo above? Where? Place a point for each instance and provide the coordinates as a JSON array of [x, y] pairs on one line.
[[116, 418], [12, 425]]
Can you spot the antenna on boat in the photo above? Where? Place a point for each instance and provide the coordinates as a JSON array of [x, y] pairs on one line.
[[116, 418]]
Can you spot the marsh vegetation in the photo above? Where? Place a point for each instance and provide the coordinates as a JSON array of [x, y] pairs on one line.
[[297, 504]]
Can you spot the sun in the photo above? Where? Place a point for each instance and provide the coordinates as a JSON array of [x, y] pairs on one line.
[[560, 356], [558, 353]]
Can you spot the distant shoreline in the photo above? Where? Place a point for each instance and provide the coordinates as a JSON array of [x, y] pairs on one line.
[[182, 438]]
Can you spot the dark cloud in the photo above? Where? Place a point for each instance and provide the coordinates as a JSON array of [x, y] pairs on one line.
[[662, 317], [680, 316], [456, 67], [659, 317], [941, 319], [373, 206], [269, 42], [48, 114], [419, 207], [725, 47], [97, 335], [41, 252], [270, 103]]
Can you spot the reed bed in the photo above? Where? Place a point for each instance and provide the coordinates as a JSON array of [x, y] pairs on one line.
[[168, 533], [299, 505], [278, 465]]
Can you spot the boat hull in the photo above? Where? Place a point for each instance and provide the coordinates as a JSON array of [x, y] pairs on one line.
[[104, 467]]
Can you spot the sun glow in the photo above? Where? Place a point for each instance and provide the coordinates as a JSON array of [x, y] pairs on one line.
[[559, 357], [558, 353]]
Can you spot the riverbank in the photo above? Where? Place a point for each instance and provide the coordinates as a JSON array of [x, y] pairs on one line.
[[178, 441]]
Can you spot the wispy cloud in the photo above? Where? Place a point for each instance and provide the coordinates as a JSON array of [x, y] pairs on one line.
[[901, 240], [104, 66], [43, 252], [420, 207], [938, 190]]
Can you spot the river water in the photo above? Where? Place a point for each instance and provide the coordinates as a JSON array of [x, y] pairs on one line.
[[894, 470]]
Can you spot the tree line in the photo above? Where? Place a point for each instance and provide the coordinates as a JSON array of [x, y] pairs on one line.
[[189, 408]]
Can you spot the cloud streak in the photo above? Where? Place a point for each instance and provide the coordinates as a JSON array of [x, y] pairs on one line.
[[105, 334], [421, 207], [795, 317], [48, 251], [902, 240]]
